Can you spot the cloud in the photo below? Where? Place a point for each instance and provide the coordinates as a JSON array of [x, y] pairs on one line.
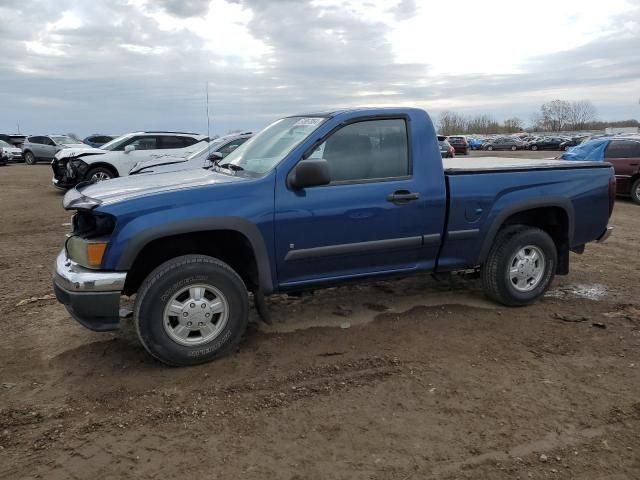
[[116, 65], [185, 8]]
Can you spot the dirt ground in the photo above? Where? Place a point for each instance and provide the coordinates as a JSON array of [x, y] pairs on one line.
[[414, 379]]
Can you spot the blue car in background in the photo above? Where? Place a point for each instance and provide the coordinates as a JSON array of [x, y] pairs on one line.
[[476, 143]]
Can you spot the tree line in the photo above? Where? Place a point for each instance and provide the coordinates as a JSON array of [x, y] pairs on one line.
[[553, 116]]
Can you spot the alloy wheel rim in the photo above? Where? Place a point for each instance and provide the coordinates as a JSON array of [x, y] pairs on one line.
[[99, 177], [195, 315], [526, 268]]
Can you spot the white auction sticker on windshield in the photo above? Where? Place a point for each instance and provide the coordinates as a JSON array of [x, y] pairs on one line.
[[308, 121]]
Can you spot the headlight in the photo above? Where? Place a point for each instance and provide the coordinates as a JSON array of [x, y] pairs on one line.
[[90, 238], [87, 252]]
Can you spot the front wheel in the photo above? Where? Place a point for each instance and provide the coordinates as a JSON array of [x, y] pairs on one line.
[[534, 147], [513, 148], [520, 266], [191, 310], [635, 192], [99, 174], [490, 148], [29, 158]]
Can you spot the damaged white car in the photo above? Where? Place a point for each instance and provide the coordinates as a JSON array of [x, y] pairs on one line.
[[116, 158]]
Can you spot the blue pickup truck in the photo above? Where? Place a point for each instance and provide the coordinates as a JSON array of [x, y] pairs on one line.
[[311, 201]]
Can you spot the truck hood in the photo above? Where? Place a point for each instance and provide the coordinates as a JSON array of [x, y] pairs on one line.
[[79, 151], [91, 195]]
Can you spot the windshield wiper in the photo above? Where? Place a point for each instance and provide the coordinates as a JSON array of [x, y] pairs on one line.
[[231, 166]]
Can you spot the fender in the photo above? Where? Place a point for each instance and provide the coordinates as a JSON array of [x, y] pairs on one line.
[[237, 224], [560, 202]]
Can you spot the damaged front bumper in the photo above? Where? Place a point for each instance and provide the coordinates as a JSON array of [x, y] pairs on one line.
[[68, 172], [91, 297]]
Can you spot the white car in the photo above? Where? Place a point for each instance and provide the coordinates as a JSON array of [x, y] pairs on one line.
[[210, 153], [9, 152], [116, 158]]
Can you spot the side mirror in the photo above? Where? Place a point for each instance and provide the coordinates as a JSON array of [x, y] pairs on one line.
[[215, 157], [129, 148], [310, 173]]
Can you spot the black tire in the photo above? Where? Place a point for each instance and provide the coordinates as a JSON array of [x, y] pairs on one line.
[[490, 148], [495, 270], [534, 147], [103, 173], [513, 148], [166, 281], [635, 192], [29, 158]]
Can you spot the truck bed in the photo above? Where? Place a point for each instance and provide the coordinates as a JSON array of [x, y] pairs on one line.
[[461, 166]]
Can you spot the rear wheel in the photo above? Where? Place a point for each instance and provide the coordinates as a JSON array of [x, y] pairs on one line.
[[490, 148], [520, 266], [190, 310], [29, 158], [513, 148], [534, 147], [99, 174], [635, 192]]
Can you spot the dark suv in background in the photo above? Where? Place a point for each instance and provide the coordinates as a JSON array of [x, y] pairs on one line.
[[459, 143]]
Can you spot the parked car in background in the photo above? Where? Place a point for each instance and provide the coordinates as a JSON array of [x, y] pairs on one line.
[[44, 147], [622, 152], [204, 158], [476, 143], [16, 139], [97, 140], [10, 152], [459, 143], [546, 143], [504, 143], [116, 158], [446, 150], [572, 142]]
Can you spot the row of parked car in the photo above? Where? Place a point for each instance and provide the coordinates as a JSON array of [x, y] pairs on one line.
[[462, 143], [133, 153], [154, 152]]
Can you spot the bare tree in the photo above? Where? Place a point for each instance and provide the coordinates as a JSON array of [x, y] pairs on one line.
[[555, 115], [581, 113], [513, 125], [451, 123]]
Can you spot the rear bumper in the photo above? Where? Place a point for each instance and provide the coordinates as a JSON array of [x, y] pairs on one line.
[[605, 235], [91, 297]]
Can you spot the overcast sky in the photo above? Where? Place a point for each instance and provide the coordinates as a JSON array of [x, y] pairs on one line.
[[113, 66]]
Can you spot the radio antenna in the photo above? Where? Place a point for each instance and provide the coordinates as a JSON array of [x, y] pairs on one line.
[[208, 124]]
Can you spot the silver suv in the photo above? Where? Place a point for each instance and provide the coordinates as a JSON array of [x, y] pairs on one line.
[[44, 147]]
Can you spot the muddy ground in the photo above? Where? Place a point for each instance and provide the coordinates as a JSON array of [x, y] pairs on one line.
[[413, 379]]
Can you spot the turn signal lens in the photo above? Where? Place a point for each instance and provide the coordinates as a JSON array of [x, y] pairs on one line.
[[95, 251]]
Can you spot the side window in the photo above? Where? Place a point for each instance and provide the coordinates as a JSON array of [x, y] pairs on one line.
[[620, 149], [635, 150], [188, 141], [367, 150], [167, 142], [231, 146], [144, 143]]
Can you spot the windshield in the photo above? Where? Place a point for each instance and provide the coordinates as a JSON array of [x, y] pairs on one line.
[[208, 147], [115, 143], [64, 140], [264, 151]]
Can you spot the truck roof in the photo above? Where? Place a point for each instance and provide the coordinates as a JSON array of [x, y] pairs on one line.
[[460, 166]]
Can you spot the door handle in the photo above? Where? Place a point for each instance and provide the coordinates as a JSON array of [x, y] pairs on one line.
[[402, 196]]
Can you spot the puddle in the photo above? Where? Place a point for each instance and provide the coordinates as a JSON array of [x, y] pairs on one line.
[[289, 318], [594, 291]]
